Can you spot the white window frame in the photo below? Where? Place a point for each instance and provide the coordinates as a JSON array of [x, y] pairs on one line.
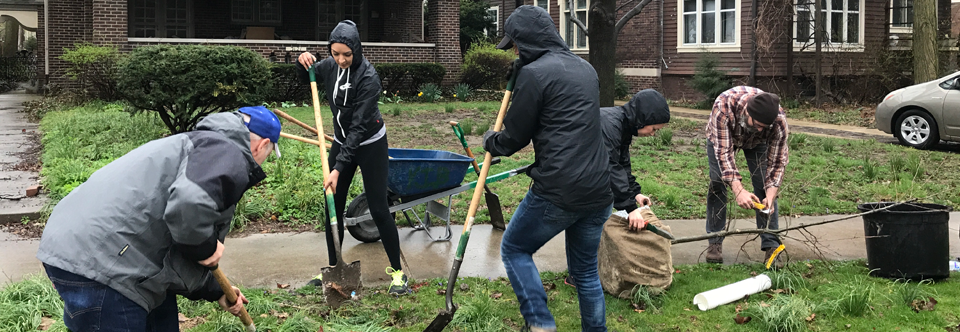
[[565, 22], [717, 45], [544, 2], [828, 45], [901, 29], [496, 19]]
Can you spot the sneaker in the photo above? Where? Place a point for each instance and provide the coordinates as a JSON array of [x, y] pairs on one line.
[[316, 281], [528, 328], [399, 284], [569, 281], [777, 261], [715, 253]]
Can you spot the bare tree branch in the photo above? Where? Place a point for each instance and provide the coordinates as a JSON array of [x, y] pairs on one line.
[[624, 5], [575, 20], [768, 231], [633, 12]]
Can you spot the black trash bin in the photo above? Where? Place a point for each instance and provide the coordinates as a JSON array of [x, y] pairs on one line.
[[908, 241]]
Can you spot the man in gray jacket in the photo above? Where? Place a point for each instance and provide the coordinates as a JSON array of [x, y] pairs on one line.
[[147, 226]]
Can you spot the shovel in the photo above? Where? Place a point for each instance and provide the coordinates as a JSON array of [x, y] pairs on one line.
[[446, 316], [493, 200], [232, 298], [341, 281]]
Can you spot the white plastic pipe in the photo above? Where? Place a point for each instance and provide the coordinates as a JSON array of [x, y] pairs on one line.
[[732, 292]]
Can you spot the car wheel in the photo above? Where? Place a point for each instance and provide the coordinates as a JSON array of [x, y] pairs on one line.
[[916, 128]]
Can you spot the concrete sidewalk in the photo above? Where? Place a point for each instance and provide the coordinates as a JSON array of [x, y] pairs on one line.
[[264, 260], [14, 131]]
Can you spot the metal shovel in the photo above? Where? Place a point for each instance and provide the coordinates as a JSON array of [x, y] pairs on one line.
[[341, 281], [492, 200]]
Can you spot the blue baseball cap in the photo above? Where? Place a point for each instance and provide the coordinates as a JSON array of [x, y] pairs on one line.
[[264, 123]]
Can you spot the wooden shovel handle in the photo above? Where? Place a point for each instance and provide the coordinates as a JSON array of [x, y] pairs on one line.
[[301, 124], [302, 139], [232, 297]]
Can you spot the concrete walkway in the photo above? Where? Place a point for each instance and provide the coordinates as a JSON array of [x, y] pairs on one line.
[[14, 134], [264, 260]]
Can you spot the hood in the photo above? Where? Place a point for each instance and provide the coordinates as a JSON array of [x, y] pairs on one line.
[[230, 124], [346, 33], [647, 107], [534, 33]]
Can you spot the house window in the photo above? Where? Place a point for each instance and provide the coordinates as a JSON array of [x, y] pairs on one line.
[[545, 4], [331, 12], [709, 22], [901, 14], [263, 12], [841, 20], [493, 14], [161, 18], [572, 34]]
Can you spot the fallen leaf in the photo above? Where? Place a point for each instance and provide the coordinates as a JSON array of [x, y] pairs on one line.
[[812, 317], [930, 304], [848, 325], [742, 320], [753, 273], [182, 317], [620, 319], [464, 287], [273, 217], [264, 316], [693, 319], [739, 308], [686, 309], [810, 266], [496, 295], [764, 304], [778, 291], [45, 323], [283, 286], [549, 286], [677, 271], [441, 291], [638, 311]]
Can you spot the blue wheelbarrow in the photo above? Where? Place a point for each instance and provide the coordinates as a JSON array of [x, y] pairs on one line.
[[418, 177]]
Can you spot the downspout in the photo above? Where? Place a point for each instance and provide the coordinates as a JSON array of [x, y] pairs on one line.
[[661, 38], [753, 63], [46, 41]]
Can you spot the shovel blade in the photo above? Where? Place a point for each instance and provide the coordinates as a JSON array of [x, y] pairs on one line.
[[340, 282], [494, 209], [441, 321]]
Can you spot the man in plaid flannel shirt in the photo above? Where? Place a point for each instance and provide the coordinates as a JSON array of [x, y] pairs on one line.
[[749, 119]]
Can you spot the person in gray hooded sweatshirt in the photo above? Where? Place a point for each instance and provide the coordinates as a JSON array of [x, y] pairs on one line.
[[360, 139], [149, 225], [645, 114], [556, 106]]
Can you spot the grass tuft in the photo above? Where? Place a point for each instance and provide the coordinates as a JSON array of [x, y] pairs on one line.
[[783, 313], [870, 169]]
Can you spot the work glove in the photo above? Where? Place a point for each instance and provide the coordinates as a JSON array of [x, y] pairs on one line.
[[514, 66]]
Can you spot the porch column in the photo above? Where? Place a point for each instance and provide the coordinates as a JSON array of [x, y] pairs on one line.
[[443, 30], [110, 22]]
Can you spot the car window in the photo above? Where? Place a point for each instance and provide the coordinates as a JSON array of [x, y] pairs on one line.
[[949, 84]]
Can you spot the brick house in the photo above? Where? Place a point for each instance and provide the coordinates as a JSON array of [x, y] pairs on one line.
[[391, 30], [659, 47]]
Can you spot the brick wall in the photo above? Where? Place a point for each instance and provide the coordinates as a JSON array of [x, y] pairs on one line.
[[110, 20], [443, 29], [71, 21]]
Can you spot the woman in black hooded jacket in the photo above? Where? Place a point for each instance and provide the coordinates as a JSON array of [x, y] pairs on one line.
[[360, 138]]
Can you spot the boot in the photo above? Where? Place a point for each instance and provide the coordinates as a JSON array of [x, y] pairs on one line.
[[777, 262], [715, 253]]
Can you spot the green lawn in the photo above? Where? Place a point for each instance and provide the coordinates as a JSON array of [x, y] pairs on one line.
[[825, 175], [807, 296]]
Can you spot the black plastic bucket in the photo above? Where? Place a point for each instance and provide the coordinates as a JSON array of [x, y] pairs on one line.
[[908, 241]]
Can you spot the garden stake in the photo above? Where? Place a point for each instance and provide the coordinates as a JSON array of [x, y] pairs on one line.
[[446, 316], [232, 298], [492, 200], [343, 278]]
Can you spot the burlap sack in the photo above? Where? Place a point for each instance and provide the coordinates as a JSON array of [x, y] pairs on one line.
[[629, 258]]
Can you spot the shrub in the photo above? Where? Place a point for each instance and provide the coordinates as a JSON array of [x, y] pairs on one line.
[[286, 87], [484, 66], [184, 83], [406, 78], [96, 69], [462, 91], [709, 80], [475, 23], [429, 92], [620, 85]]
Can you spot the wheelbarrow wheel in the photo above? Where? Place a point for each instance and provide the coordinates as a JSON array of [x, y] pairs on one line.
[[365, 231]]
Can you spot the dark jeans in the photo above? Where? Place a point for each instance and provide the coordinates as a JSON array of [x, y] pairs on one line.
[[717, 195], [91, 306], [372, 160], [535, 222]]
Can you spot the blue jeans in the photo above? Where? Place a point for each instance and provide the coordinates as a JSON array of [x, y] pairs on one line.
[[91, 306], [717, 195], [535, 222]]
